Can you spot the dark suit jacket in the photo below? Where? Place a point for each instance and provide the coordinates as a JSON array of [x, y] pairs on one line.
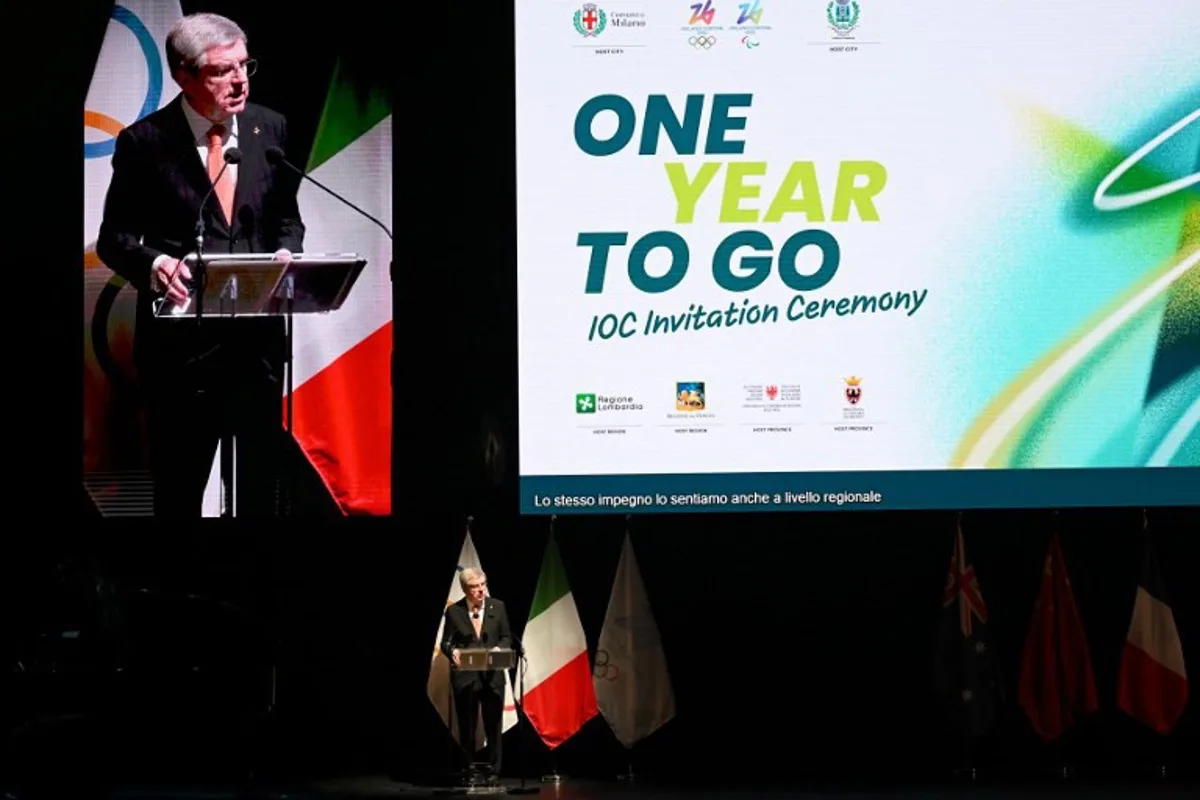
[[459, 633], [153, 202]]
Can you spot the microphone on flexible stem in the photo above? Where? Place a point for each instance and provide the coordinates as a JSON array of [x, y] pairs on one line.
[[232, 156], [276, 156]]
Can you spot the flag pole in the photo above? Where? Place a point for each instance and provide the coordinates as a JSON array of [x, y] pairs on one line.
[[628, 775], [966, 756], [520, 701], [1060, 748], [464, 775], [1164, 743], [553, 776]]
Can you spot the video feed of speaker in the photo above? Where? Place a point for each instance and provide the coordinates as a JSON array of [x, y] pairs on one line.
[[237, 259]]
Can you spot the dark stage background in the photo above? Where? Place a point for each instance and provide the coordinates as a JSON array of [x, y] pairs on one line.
[[170, 673], [798, 645]]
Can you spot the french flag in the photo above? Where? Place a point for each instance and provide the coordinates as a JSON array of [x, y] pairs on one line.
[[1152, 686]]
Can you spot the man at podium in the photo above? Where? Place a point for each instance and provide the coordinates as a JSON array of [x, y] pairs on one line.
[[198, 169], [477, 622]]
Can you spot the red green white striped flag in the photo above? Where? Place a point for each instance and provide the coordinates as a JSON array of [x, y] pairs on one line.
[[342, 388], [559, 694], [342, 394]]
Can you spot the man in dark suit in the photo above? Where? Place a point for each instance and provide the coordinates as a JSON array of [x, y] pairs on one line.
[[477, 621], [200, 379]]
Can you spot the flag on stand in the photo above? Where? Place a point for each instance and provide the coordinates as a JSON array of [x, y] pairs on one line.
[[967, 668], [1152, 685], [129, 81], [559, 695], [437, 686], [342, 389], [633, 686], [1056, 669]]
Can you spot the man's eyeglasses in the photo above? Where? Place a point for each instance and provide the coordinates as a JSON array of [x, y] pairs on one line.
[[223, 72]]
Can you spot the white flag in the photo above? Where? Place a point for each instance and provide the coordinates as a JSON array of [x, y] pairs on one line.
[[438, 684], [633, 687], [129, 81]]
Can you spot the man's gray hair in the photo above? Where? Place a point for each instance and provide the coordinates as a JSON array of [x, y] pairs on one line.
[[471, 574], [190, 39]]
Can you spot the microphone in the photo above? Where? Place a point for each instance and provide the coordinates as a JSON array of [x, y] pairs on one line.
[[520, 647], [276, 157], [232, 156]]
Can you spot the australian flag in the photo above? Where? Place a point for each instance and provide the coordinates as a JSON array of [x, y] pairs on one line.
[[967, 669]]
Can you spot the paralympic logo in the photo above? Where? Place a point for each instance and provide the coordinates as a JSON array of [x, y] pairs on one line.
[[702, 42], [750, 42], [154, 87]]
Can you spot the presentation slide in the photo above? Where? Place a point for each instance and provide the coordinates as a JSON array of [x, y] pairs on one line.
[[857, 254]]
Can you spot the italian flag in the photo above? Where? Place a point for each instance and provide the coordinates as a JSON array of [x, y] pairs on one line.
[[342, 392], [559, 695]]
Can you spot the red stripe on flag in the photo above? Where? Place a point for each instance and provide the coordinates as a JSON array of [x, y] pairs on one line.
[[560, 705], [344, 425], [1148, 691]]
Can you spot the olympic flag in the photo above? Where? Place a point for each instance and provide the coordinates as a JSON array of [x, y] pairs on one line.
[[129, 81]]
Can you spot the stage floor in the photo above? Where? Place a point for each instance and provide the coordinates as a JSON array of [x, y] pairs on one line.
[[380, 786]]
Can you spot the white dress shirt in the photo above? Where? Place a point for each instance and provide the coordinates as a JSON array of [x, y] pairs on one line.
[[200, 127]]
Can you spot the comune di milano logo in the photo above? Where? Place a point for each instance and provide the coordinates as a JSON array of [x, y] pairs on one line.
[[592, 403], [590, 20]]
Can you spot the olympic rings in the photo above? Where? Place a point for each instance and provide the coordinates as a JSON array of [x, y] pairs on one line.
[[604, 670], [154, 86], [702, 42]]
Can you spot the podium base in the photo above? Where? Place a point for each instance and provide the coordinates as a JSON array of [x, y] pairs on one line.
[[463, 791]]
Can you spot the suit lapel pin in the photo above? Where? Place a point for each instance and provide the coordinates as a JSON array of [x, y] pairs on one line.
[[256, 130]]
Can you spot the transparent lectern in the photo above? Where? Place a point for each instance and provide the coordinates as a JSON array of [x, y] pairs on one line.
[[480, 659], [230, 285]]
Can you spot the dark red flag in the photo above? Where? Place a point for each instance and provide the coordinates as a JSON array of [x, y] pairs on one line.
[[1056, 670]]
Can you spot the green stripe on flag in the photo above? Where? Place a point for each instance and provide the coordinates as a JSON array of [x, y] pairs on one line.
[[552, 581], [354, 106]]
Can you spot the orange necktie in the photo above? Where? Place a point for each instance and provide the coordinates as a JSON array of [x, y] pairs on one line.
[[216, 160]]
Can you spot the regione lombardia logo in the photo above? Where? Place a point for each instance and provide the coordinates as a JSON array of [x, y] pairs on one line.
[[590, 20]]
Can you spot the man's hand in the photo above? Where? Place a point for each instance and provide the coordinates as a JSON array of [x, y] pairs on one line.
[[170, 275], [454, 656], [283, 254]]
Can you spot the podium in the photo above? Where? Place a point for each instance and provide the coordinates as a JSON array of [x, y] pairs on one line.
[[481, 659], [229, 285], [477, 778]]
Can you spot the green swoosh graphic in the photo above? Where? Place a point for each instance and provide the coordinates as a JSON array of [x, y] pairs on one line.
[[1073, 406]]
